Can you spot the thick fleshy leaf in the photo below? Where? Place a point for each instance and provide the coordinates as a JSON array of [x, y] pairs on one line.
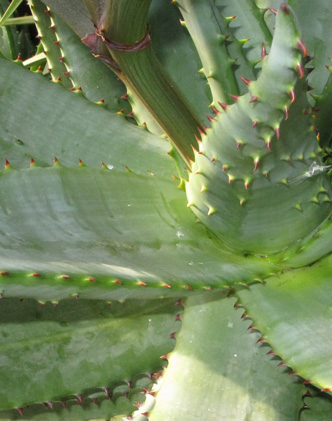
[[49, 42], [43, 120], [293, 312], [218, 372], [95, 79], [103, 229], [81, 347]]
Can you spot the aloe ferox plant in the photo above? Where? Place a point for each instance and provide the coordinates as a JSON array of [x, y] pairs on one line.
[[165, 210]]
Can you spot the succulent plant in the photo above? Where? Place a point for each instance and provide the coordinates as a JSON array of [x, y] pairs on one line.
[[164, 230]]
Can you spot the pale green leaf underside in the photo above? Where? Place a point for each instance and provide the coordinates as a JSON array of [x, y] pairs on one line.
[[218, 372], [80, 347], [42, 120], [293, 312], [111, 226]]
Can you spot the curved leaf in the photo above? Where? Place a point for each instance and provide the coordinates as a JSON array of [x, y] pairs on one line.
[[293, 312], [43, 120], [81, 347], [218, 372], [124, 232]]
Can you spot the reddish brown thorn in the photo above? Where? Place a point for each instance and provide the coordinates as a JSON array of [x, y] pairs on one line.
[[32, 162], [235, 97], [238, 145], [178, 317], [56, 43], [326, 390], [164, 357], [58, 79], [117, 281], [286, 113], [293, 373], [273, 10], [246, 185], [307, 382], [271, 353], [253, 99], [4, 273], [209, 118], [173, 335], [292, 95], [300, 69], [268, 144], [125, 96], [166, 286], [20, 410], [72, 89], [131, 115], [223, 106], [305, 406], [47, 12], [36, 275], [214, 109], [79, 399], [142, 284], [52, 27], [261, 341], [92, 279], [302, 47], [179, 302], [256, 164], [284, 8], [19, 58], [7, 164], [282, 364], [277, 132], [62, 59], [263, 53], [254, 123], [66, 74], [246, 81]]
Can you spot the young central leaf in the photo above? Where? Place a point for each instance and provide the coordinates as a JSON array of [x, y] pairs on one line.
[[252, 182]]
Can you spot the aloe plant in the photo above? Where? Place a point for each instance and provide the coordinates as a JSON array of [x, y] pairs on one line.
[[165, 210]]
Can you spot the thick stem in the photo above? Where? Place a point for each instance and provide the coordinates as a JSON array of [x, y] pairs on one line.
[[125, 32]]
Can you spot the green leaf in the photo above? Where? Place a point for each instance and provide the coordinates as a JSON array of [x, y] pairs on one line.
[[293, 312], [58, 123], [11, 9], [100, 227], [218, 372], [79, 347]]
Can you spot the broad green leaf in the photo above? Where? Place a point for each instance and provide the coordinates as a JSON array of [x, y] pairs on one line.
[[42, 120], [218, 372], [100, 227], [80, 347], [293, 312]]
